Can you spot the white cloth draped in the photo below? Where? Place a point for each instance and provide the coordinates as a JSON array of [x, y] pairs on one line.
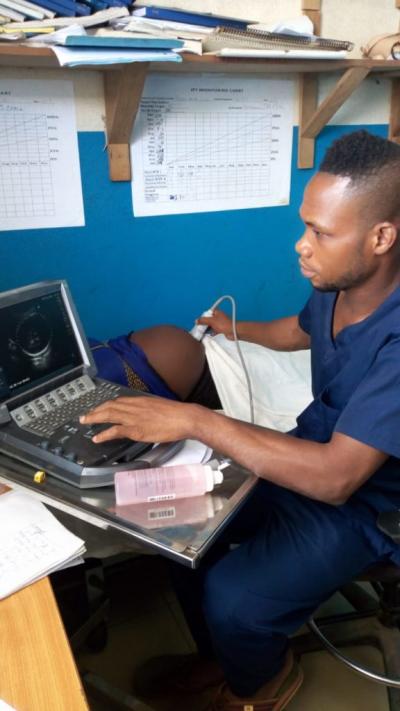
[[281, 381]]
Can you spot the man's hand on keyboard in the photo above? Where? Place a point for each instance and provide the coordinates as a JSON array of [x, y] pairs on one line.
[[146, 419]]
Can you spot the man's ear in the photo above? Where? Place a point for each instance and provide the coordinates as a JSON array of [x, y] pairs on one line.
[[384, 236]]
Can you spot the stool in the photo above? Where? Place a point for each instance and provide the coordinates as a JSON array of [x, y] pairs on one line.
[[374, 621]]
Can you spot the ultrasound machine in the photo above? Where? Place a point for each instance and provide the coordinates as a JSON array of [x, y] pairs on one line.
[[47, 380]]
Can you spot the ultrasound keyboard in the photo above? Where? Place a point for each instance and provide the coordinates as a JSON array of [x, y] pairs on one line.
[[54, 418], [44, 415]]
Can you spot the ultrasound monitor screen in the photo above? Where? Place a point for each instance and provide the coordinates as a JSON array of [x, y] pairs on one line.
[[37, 343]]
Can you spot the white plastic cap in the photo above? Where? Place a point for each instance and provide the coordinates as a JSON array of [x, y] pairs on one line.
[[218, 476], [213, 476]]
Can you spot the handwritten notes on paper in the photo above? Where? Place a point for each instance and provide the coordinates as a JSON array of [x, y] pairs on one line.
[[40, 182], [205, 142], [32, 542]]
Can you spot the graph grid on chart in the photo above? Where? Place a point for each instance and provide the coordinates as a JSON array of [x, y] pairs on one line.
[[208, 154], [26, 186]]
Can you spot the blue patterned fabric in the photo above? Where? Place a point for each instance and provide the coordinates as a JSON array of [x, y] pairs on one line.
[[119, 360]]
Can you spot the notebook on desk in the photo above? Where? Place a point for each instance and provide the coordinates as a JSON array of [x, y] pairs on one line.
[[47, 380]]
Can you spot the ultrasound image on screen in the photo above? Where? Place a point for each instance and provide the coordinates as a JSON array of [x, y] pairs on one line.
[[37, 343]]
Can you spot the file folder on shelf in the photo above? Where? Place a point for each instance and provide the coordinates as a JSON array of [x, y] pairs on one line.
[[195, 18]]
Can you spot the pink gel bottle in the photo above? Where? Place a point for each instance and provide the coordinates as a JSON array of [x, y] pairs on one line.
[[164, 483]]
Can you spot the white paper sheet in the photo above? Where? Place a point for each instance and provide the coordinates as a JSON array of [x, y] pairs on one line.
[[40, 180], [192, 452], [6, 707], [32, 542], [206, 142], [69, 57], [299, 25]]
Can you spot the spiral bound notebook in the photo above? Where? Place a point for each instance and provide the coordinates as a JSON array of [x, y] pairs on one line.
[[257, 39]]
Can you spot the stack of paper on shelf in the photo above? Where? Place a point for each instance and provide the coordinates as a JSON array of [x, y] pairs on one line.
[[191, 27], [73, 46], [33, 27], [176, 31], [32, 542], [191, 35], [20, 10]]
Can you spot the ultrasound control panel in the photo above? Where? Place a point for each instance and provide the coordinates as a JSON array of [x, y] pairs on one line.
[[43, 415], [53, 420], [47, 412]]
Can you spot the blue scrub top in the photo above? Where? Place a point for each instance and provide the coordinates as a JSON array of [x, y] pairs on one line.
[[356, 388]]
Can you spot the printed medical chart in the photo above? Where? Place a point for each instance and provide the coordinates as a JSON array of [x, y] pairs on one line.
[[40, 180], [206, 142]]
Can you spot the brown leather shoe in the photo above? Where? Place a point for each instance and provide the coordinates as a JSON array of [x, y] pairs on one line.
[[273, 696]]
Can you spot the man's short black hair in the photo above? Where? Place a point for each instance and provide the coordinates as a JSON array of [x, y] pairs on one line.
[[359, 154], [373, 165]]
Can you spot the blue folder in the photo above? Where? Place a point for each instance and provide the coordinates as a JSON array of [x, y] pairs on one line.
[[82, 9], [94, 41], [192, 18], [60, 7]]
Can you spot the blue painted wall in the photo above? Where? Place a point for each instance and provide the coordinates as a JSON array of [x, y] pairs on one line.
[[126, 272]]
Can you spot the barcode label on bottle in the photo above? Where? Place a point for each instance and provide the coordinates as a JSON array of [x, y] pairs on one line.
[[157, 514], [161, 497]]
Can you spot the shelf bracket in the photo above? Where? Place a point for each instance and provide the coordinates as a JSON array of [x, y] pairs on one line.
[[312, 119], [312, 8], [122, 93], [308, 96], [394, 120]]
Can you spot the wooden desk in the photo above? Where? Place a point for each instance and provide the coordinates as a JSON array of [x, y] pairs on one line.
[[37, 669]]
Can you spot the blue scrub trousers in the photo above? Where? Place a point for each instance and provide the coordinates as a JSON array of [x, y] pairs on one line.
[[243, 602]]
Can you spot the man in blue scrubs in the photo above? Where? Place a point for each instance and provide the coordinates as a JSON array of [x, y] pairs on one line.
[[313, 514]]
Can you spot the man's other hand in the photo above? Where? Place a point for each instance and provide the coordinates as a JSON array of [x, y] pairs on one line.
[[219, 322]]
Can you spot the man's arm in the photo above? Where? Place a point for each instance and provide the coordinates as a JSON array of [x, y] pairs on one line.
[[284, 334], [328, 472]]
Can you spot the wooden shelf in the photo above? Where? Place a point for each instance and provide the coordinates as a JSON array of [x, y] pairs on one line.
[[23, 55], [123, 86]]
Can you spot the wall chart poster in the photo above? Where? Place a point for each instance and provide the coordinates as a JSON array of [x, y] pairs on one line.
[[206, 142], [40, 180]]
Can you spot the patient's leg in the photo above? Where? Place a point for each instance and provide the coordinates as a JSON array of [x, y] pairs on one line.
[[174, 354]]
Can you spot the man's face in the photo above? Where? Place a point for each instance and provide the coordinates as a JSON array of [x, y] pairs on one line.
[[334, 251]]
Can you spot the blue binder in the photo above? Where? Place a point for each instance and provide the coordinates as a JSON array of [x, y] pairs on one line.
[[65, 8], [93, 41], [191, 18]]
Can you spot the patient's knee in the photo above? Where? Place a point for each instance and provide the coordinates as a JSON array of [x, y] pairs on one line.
[[174, 354]]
